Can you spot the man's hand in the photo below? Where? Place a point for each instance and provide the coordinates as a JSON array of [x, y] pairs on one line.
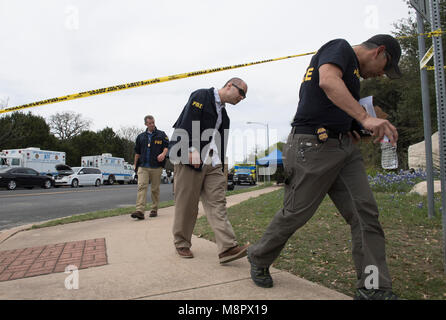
[[161, 157], [330, 80], [381, 128], [194, 159]]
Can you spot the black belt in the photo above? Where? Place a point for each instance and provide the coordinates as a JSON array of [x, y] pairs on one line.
[[313, 130]]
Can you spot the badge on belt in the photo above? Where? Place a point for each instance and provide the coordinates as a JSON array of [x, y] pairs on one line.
[[322, 134]]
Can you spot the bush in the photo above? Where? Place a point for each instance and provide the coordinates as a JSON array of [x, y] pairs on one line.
[[402, 181]]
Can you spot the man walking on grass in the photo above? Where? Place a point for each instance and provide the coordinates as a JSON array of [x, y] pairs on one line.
[[321, 157]]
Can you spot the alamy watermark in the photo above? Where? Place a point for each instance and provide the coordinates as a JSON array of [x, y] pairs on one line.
[[72, 18], [4, 102], [202, 142], [371, 17], [72, 281], [372, 280]]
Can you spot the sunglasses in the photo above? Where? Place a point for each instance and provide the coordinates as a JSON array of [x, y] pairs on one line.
[[240, 91]]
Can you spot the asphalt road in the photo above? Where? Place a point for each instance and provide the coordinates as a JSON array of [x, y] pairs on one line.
[[23, 206]]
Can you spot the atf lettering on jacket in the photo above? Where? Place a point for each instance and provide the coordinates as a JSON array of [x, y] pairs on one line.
[[158, 142], [356, 72]]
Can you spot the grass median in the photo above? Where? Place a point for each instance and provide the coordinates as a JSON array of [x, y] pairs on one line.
[[321, 250], [123, 211]]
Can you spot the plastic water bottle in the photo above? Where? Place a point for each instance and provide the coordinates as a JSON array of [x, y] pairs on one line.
[[389, 157]]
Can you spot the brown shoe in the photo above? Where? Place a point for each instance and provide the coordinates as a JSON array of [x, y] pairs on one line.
[[138, 215], [233, 253], [185, 253], [153, 213]]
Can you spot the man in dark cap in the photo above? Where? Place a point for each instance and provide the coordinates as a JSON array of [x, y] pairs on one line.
[[320, 158]]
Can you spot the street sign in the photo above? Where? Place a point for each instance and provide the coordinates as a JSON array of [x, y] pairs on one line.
[[422, 6]]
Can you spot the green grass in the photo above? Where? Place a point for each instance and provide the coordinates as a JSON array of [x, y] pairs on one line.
[[321, 250], [123, 211]]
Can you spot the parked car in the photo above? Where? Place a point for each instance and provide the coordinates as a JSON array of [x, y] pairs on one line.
[[166, 176], [77, 176], [11, 178], [230, 182], [244, 176]]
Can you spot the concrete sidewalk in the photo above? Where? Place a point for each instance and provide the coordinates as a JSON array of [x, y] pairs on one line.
[[143, 264]]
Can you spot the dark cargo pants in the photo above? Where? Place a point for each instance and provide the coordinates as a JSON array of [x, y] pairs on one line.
[[312, 170]]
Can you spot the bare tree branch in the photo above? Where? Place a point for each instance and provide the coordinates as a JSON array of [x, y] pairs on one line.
[[130, 132], [68, 124]]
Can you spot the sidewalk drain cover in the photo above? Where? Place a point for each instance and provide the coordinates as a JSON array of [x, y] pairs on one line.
[[36, 261]]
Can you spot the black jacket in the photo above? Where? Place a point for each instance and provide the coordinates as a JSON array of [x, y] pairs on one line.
[[200, 107], [157, 145]]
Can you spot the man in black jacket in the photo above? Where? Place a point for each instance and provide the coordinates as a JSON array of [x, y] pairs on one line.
[[197, 149], [320, 157], [150, 153]]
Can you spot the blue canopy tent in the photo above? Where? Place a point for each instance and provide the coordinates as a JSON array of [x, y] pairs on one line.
[[275, 157], [272, 161]]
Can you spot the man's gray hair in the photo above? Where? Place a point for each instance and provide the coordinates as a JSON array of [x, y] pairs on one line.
[[369, 45], [148, 117]]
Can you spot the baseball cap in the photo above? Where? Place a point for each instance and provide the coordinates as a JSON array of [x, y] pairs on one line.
[[394, 50]]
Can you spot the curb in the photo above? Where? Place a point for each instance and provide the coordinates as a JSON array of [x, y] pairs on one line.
[[8, 233]]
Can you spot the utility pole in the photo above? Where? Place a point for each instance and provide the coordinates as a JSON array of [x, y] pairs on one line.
[[430, 11], [426, 119], [441, 107]]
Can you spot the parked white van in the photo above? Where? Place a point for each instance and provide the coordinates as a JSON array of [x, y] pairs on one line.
[[77, 176], [113, 169], [43, 161]]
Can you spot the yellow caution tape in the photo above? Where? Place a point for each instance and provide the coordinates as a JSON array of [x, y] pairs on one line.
[[431, 68], [167, 78], [142, 83], [436, 33], [430, 52]]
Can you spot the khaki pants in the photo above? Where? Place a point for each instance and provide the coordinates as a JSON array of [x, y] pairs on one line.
[[209, 184], [146, 176], [314, 169]]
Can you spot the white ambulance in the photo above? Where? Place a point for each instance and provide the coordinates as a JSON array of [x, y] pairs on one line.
[[113, 169], [129, 169], [43, 161]]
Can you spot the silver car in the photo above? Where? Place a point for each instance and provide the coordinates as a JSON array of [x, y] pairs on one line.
[[77, 176]]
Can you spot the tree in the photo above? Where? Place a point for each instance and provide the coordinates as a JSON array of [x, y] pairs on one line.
[[88, 143], [130, 132], [128, 135], [20, 130], [401, 99], [67, 125], [7, 125]]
